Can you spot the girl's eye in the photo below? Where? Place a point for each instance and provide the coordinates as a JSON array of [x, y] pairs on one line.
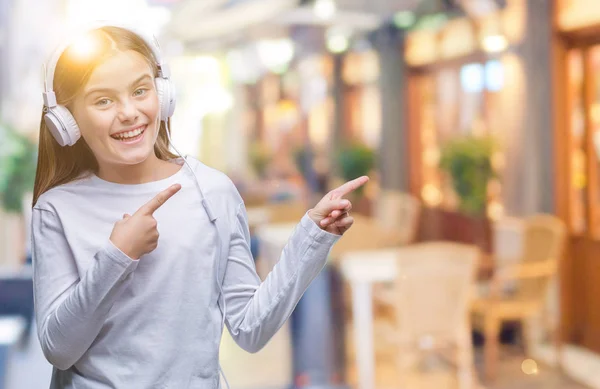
[[139, 92], [102, 102]]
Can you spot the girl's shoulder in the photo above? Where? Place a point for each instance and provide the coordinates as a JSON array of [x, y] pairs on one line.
[[62, 193]]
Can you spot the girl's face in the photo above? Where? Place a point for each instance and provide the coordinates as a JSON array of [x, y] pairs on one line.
[[117, 111]]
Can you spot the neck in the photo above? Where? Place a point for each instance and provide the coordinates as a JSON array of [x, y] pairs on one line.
[[151, 169]]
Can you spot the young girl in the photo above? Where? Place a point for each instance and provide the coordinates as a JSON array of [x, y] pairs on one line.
[[117, 304]]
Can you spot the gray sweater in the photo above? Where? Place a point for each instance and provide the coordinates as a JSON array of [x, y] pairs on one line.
[[107, 321]]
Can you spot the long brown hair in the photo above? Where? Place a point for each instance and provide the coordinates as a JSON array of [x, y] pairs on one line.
[[59, 165]]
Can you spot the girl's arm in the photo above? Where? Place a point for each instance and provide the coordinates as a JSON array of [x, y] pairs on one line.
[[255, 310], [70, 311]]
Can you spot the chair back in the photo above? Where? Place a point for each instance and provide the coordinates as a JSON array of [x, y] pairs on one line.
[[434, 287]]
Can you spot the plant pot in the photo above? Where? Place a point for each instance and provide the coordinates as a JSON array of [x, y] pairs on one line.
[[441, 224], [362, 205]]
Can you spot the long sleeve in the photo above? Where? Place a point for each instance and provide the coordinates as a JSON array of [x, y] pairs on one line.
[[70, 311], [255, 310]]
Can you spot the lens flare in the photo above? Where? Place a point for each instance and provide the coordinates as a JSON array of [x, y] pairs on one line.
[[529, 367], [83, 47]]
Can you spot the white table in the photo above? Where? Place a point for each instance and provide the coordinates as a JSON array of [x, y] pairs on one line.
[[11, 330], [272, 239], [362, 269], [257, 216]]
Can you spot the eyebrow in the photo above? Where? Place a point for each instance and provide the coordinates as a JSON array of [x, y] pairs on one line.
[[139, 80]]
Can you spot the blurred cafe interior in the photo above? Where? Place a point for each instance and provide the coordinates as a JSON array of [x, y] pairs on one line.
[[471, 261]]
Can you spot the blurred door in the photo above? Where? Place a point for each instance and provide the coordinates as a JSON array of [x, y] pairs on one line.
[[581, 137]]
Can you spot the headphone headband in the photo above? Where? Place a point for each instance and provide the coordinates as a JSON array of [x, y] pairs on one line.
[[50, 67]]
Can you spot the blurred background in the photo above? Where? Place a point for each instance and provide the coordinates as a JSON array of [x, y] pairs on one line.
[[473, 260]]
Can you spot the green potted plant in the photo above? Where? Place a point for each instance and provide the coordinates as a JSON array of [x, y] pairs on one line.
[[18, 159], [260, 157], [355, 160], [468, 162], [17, 174]]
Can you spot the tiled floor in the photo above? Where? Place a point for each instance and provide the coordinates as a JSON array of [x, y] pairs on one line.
[[27, 367], [510, 376]]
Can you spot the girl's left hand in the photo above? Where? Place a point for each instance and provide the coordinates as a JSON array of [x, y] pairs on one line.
[[332, 213]]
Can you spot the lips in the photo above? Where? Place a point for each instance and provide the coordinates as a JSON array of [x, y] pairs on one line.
[[129, 135]]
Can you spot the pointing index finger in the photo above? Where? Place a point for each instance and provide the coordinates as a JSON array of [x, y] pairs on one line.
[[348, 187], [151, 206]]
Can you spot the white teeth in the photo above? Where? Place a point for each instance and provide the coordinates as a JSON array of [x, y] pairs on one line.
[[130, 134]]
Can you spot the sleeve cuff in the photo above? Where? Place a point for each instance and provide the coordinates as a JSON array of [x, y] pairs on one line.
[[120, 257], [316, 232]]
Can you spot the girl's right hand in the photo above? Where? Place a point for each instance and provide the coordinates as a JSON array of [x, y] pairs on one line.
[[136, 235]]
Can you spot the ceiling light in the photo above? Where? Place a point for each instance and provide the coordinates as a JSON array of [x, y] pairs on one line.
[[338, 39], [495, 43], [325, 9], [337, 44], [276, 54]]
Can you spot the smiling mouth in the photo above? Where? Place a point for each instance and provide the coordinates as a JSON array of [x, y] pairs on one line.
[[130, 136]]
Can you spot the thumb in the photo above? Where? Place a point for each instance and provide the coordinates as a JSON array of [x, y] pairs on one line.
[[126, 216]]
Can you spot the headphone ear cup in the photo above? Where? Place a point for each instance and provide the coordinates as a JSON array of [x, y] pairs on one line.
[[62, 125], [166, 97]]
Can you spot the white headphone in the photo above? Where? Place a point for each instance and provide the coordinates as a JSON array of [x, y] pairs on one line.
[[59, 119]]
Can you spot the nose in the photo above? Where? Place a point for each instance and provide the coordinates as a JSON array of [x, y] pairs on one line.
[[128, 111]]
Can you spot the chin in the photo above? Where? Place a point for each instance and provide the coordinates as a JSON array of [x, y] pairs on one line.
[[135, 159]]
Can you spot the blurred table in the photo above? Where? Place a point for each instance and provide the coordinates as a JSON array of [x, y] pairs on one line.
[[16, 293], [16, 311], [272, 239], [365, 234], [257, 216], [381, 267], [11, 331], [362, 269]]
